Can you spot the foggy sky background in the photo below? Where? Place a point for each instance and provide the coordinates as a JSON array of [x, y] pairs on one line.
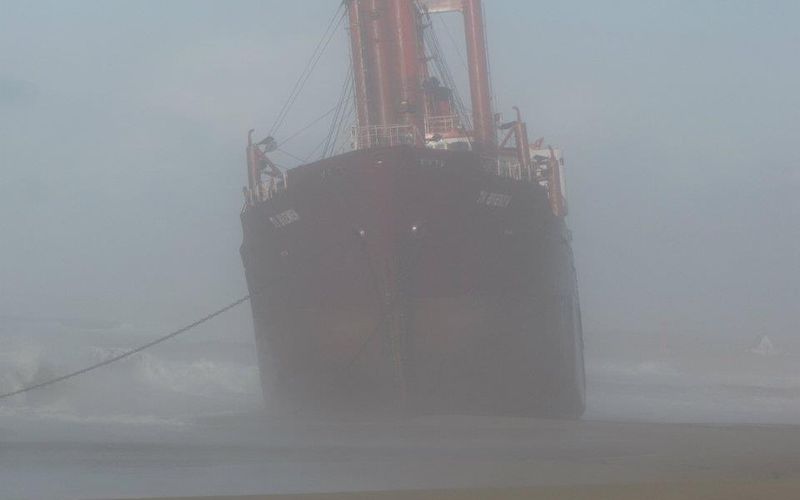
[[123, 125]]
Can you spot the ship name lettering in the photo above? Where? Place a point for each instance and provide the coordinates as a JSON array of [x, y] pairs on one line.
[[494, 199], [284, 218], [431, 162]]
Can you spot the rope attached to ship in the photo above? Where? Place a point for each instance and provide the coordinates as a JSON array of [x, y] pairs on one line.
[[319, 50], [129, 353]]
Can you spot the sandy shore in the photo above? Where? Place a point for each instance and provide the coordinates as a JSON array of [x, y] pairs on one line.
[[451, 459], [766, 490]]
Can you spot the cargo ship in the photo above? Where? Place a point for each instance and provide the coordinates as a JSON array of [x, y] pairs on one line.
[[429, 269]]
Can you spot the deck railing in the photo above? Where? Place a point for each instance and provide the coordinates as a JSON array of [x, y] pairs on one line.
[[266, 189], [441, 124], [548, 174], [384, 135]]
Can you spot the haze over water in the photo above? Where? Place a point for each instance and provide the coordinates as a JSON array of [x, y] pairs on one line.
[[122, 132], [187, 418]]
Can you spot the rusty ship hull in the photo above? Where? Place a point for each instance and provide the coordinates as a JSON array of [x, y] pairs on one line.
[[413, 280]]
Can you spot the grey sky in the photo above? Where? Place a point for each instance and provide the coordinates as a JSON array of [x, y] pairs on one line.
[[122, 129]]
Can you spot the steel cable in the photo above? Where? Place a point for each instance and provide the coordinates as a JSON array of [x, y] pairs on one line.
[[127, 353], [319, 50]]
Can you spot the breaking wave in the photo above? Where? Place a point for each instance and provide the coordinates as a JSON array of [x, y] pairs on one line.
[[636, 369], [162, 386], [724, 383]]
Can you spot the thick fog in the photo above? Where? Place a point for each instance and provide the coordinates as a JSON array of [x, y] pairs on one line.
[[124, 125], [123, 128]]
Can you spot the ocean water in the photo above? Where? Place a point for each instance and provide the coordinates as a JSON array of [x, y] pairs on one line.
[[187, 417], [171, 384], [714, 379]]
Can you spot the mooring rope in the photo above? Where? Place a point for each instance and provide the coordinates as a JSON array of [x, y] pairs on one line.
[[127, 353]]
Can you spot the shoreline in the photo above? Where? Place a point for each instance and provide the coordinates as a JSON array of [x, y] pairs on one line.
[[705, 490]]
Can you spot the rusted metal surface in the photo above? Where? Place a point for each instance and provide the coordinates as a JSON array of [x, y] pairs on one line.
[[410, 58], [478, 67], [252, 174], [526, 148], [555, 185], [390, 67], [358, 52], [382, 63], [523, 155]]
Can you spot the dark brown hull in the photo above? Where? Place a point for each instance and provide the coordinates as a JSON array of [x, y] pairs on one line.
[[413, 280]]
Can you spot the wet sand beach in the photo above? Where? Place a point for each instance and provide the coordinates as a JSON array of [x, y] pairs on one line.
[[656, 491], [495, 458]]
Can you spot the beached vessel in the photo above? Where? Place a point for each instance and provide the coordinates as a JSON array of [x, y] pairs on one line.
[[429, 269]]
